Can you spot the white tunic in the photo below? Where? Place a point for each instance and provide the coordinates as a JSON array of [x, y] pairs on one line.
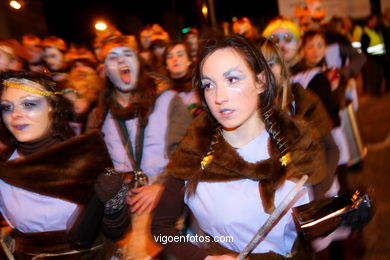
[[154, 156], [234, 208], [32, 212]]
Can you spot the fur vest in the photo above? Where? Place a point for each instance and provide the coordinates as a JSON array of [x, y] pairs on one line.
[[67, 170], [227, 165]]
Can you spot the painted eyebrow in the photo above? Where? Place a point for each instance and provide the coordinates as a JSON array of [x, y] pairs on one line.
[[117, 52], [205, 77], [227, 73], [28, 96], [23, 97]]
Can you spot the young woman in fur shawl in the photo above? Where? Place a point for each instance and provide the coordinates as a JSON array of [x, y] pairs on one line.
[[47, 175], [233, 166]]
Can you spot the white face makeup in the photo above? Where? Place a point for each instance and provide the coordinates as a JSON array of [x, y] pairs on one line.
[[26, 115], [122, 68], [54, 58], [177, 61], [286, 42], [231, 89]]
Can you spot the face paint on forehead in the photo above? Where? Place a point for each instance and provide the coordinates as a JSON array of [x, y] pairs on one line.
[[26, 115], [122, 68]]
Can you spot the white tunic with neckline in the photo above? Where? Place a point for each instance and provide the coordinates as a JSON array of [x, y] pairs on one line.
[[154, 156], [234, 208], [31, 212]]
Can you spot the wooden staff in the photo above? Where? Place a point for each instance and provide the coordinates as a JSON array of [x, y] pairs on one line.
[[272, 218]]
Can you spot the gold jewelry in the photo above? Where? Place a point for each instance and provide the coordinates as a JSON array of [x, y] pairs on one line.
[[22, 84], [285, 159], [209, 156]]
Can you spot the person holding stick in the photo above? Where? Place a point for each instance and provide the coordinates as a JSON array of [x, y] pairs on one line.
[[233, 166]]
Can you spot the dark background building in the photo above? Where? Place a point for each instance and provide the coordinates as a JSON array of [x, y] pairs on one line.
[[73, 20]]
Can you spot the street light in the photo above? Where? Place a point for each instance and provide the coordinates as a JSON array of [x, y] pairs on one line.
[[205, 10], [100, 26], [15, 4]]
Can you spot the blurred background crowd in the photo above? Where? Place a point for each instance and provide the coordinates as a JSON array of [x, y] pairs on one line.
[[341, 59]]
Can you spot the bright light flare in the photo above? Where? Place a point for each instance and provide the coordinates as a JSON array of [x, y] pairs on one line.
[[15, 4], [205, 10], [100, 26]]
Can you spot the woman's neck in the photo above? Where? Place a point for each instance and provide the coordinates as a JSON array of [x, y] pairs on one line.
[[178, 75], [245, 133], [122, 98], [27, 148]]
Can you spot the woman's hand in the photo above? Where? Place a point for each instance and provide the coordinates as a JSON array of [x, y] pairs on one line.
[[144, 198], [221, 257]]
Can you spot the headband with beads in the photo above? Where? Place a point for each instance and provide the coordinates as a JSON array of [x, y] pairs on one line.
[[23, 84]]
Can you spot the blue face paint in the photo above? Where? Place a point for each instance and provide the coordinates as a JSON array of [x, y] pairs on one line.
[[25, 106]]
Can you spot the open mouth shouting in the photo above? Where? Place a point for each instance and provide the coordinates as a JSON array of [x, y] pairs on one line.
[[125, 74]]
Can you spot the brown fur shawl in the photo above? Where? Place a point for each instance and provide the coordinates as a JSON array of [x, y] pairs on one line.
[[228, 165], [310, 107], [66, 170]]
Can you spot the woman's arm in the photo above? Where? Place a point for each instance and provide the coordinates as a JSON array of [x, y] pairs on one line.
[[112, 191], [165, 215]]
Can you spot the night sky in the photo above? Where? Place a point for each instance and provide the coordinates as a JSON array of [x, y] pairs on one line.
[[73, 20]]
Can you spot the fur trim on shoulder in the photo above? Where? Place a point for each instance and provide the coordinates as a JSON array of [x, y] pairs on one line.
[[228, 165], [66, 170]]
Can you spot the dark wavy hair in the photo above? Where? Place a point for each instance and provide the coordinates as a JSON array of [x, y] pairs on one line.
[[257, 63], [62, 107], [308, 36], [253, 57], [172, 45]]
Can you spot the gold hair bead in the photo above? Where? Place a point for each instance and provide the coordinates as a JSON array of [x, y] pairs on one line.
[[285, 159], [206, 160]]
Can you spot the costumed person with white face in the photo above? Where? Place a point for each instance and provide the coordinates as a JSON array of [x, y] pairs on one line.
[[286, 35], [179, 67], [141, 129], [47, 176], [233, 166]]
